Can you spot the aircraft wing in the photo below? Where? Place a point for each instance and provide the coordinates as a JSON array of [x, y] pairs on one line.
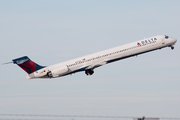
[[93, 66]]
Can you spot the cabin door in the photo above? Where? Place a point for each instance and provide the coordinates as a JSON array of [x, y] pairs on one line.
[[163, 41]]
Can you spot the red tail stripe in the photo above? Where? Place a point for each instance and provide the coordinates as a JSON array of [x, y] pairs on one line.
[[25, 70], [30, 64]]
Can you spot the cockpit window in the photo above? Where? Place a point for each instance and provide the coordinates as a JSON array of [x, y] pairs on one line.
[[166, 36]]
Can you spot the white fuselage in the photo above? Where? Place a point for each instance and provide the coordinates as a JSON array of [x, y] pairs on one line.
[[92, 61]]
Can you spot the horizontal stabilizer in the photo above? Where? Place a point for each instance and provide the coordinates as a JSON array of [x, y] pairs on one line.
[[7, 63]]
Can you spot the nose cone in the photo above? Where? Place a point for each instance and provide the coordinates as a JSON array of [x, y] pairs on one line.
[[175, 40]]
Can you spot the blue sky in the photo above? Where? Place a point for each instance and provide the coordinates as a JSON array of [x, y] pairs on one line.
[[53, 31]]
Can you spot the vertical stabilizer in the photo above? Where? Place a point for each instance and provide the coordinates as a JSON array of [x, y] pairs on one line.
[[27, 65]]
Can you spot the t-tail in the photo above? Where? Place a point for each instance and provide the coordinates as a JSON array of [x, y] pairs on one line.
[[27, 65]]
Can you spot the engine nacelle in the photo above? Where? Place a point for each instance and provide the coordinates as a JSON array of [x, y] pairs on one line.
[[41, 73], [62, 70]]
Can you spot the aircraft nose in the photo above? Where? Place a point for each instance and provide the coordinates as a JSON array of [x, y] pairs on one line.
[[174, 40]]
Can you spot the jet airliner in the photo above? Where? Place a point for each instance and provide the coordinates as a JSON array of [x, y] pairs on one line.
[[89, 62]]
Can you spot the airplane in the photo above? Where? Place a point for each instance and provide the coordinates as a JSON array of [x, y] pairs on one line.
[[89, 62]]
